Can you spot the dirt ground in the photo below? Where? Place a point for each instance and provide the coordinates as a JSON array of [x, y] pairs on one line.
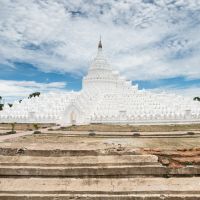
[[134, 128], [176, 158], [23, 126], [107, 128], [133, 142], [171, 143], [172, 152]]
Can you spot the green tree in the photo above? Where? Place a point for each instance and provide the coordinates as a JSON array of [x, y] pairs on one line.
[[34, 95], [196, 98], [1, 104], [10, 104]]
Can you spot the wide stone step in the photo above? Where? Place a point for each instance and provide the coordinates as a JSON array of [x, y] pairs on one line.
[[135, 134], [96, 171], [100, 188], [79, 160], [49, 152], [5, 196], [122, 170]]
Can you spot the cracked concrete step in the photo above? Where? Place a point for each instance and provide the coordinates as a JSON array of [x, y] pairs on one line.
[[48, 152], [79, 160], [97, 171], [53, 152], [100, 188], [124, 134], [5, 196], [74, 171], [134, 134]]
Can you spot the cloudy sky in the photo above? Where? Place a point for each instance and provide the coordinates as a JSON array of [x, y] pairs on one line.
[[48, 45]]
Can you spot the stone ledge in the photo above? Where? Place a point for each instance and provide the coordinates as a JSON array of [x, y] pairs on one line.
[[83, 171], [98, 197], [119, 186], [95, 171], [79, 160]]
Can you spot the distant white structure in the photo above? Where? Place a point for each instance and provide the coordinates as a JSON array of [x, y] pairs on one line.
[[106, 97]]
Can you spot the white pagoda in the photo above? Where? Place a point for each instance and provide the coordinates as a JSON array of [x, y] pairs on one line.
[[106, 97]]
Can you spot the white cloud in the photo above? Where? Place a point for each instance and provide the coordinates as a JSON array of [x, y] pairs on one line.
[[15, 90], [191, 91], [144, 39]]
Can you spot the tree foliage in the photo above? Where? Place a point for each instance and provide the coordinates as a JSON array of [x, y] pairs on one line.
[[1, 104], [10, 104], [196, 98], [35, 94]]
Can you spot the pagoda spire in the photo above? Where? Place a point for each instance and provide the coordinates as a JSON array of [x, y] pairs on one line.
[[100, 44]]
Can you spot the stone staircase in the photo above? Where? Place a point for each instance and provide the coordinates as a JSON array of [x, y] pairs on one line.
[[88, 174]]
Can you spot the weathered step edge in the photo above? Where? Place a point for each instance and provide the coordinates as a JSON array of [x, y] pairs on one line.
[[80, 164], [114, 160], [82, 171], [60, 152], [99, 197], [97, 171]]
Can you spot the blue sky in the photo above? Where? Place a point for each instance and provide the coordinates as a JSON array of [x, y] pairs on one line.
[[48, 45]]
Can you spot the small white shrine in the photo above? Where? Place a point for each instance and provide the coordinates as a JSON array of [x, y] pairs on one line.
[[106, 97]]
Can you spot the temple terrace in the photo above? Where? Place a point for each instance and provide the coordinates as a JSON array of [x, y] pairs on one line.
[[106, 97]]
